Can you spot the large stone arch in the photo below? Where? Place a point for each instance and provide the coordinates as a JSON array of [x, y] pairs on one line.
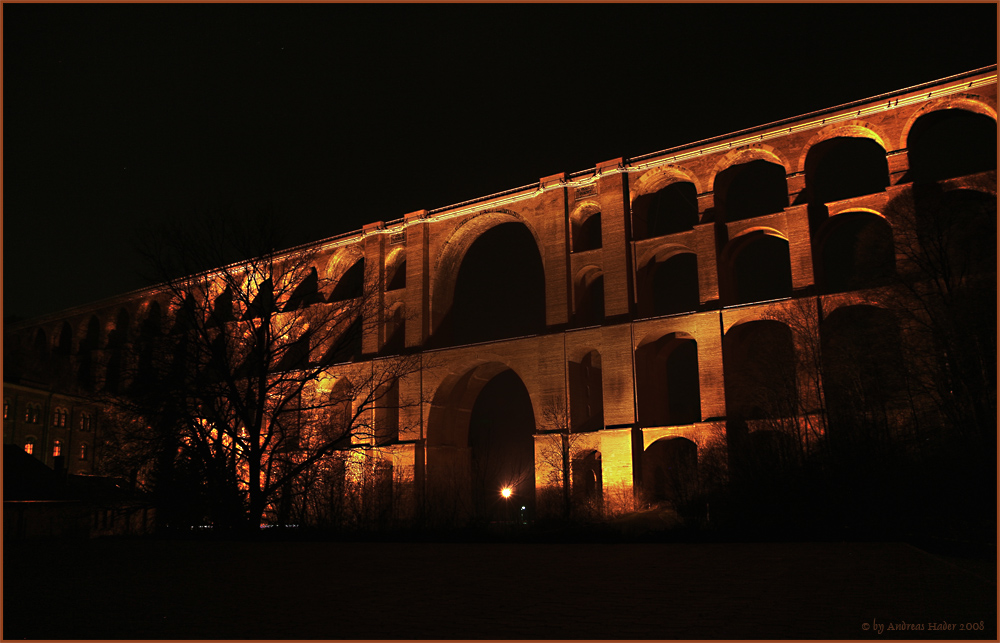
[[750, 153], [456, 391], [464, 459], [449, 271]]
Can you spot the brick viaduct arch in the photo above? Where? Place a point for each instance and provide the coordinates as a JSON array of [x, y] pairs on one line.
[[447, 267], [626, 346]]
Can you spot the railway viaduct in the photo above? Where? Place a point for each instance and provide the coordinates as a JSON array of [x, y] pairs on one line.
[[633, 303]]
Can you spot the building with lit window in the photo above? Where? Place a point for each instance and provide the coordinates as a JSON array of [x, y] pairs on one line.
[[56, 428]]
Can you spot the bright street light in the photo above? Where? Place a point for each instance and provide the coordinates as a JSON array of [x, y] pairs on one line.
[[505, 492]]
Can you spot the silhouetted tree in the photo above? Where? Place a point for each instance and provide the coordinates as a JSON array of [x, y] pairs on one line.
[[252, 396], [946, 293], [893, 398], [553, 455]]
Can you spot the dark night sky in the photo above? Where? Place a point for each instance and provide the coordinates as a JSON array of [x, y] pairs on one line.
[[123, 116]]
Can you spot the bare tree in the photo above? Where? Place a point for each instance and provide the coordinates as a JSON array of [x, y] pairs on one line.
[[569, 464], [256, 388], [945, 292], [553, 454]]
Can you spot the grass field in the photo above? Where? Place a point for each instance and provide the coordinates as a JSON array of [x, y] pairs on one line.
[[145, 589]]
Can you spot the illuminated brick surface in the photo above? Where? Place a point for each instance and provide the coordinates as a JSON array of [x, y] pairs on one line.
[[434, 245]]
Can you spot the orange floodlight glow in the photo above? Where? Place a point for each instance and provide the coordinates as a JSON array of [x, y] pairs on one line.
[[505, 492]]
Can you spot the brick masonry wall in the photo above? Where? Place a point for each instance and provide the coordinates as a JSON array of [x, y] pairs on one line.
[[435, 244]]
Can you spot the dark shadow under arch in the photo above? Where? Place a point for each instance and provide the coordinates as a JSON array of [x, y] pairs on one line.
[[752, 189], [844, 167], [857, 252], [668, 387], [670, 471], [499, 291], [479, 440], [761, 268], [951, 142], [671, 209]]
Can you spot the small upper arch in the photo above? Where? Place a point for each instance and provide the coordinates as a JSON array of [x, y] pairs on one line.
[[749, 183], [664, 201], [658, 178], [338, 263], [585, 226], [757, 267], [656, 334], [746, 155], [952, 138], [395, 269], [662, 253], [967, 102], [850, 129], [589, 295], [844, 161], [746, 236]]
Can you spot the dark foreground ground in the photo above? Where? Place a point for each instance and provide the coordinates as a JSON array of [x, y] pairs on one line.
[[135, 589]]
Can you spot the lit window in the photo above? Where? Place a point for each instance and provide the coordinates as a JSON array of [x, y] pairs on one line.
[[56, 449], [84, 422], [29, 445], [83, 451]]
